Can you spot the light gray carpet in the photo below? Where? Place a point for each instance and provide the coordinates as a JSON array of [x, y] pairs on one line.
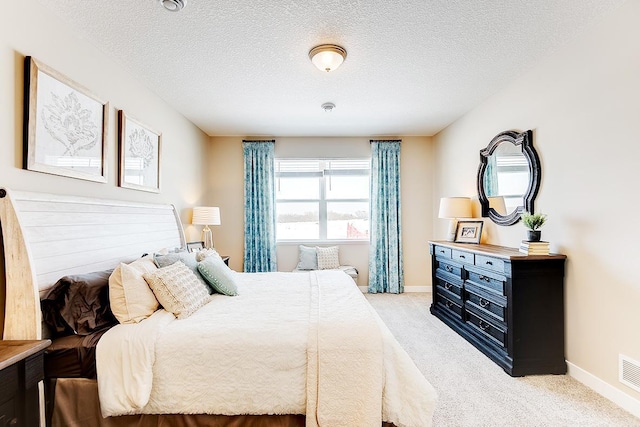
[[473, 391]]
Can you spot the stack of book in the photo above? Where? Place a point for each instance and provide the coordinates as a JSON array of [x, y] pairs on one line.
[[534, 248]]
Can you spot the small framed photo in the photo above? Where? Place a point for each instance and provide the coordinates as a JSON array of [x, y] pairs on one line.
[[469, 231], [139, 155], [195, 246], [65, 125]]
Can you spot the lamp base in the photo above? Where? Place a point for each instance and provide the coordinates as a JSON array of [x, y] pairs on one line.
[[451, 232], [207, 237]]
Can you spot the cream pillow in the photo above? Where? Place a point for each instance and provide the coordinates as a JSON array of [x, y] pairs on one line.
[[129, 294], [328, 258], [178, 289]]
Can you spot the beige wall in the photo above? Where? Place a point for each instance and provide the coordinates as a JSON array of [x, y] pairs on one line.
[[26, 28], [582, 105], [226, 178]]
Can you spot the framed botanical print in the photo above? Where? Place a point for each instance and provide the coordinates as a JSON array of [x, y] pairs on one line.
[[139, 155], [65, 126], [469, 231]]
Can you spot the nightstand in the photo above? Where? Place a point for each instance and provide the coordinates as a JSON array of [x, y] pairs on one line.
[[21, 369], [225, 258]]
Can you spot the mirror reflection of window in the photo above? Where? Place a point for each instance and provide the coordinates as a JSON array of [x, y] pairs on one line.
[[507, 176]]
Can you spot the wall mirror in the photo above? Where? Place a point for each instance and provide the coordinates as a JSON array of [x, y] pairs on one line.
[[508, 177]]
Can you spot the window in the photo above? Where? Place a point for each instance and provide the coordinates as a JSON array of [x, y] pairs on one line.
[[322, 199]]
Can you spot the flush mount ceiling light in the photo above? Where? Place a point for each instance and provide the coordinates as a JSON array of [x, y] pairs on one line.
[[328, 107], [327, 57], [173, 5]]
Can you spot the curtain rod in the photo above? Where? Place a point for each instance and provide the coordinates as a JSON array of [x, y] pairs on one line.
[[258, 140], [384, 140]]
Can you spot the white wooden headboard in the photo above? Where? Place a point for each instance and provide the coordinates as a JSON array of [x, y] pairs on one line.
[[49, 236]]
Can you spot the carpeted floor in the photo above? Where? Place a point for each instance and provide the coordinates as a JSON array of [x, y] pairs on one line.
[[473, 391]]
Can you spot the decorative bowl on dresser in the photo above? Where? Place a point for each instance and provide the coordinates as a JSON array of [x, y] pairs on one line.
[[510, 306]]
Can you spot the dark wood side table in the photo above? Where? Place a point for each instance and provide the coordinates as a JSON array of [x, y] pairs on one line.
[[225, 258], [21, 369]]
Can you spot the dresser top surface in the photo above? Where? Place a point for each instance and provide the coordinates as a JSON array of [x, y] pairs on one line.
[[495, 251], [13, 351]]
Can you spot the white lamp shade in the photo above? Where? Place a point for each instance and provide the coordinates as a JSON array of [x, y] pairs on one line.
[[205, 215], [455, 207], [327, 57]]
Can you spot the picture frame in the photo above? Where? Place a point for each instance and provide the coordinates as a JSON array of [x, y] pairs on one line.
[[64, 127], [195, 246], [468, 231], [138, 155]]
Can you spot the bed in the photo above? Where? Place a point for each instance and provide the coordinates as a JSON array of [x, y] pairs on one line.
[[290, 349]]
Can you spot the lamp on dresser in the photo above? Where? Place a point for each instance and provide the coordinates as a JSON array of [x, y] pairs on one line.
[[206, 215], [453, 208]]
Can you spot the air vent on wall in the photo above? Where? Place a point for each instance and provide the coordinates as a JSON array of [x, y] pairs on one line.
[[629, 372]]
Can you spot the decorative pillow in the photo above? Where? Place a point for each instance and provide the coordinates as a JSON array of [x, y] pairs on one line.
[[187, 258], [131, 298], [328, 257], [178, 289], [220, 277], [78, 304], [307, 258], [203, 253]]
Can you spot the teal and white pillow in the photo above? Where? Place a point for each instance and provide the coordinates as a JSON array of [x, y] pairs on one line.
[[218, 275]]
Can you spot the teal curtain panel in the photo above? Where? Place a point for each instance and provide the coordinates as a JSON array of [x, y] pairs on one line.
[[259, 207], [385, 249]]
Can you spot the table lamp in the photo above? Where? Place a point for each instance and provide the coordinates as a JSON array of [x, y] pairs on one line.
[[453, 208], [206, 215]]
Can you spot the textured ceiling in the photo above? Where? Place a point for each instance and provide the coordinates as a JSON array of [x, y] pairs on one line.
[[413, 67]]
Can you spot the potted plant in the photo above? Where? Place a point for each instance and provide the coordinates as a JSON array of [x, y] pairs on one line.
[[533, 222]]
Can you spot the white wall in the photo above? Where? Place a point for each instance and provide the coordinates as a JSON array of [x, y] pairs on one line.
[[227, 191], [27, 28], [582, 105]]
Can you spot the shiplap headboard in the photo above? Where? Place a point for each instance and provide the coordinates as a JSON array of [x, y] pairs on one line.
[[48, 236]]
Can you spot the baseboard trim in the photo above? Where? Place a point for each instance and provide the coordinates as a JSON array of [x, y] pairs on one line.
[[407, 289], [615, 395]]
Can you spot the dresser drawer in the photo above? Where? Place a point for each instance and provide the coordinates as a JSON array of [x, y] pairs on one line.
[[487, 329], [485, 280], [493, 264], [442, 252], [449, 286], [446, 268], [485, 305], [8, 415], [451, 307], [8, 383], [461, 256]]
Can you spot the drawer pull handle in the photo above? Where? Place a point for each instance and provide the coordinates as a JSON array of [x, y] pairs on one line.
[[447, 285], [448, 268], [462, 256], [483, 325], [484, 303], [485, 278], [441, 251], [449, 304], [489, 263]]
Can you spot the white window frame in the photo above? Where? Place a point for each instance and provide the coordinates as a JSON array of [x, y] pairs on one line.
[[324, 174]]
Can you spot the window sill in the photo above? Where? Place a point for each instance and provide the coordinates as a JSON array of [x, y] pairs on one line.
[[322, 242]]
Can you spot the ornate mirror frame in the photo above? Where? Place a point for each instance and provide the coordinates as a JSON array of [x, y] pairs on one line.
[[523, 139]]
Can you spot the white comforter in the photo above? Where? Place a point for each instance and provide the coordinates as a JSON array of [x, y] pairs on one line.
[[289, 343]]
